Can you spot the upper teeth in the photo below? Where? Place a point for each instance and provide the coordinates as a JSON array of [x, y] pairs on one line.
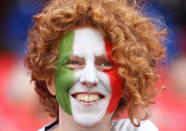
[[87, 97]]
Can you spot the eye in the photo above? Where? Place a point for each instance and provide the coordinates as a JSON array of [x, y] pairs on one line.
[[75, 63], [104, 65]]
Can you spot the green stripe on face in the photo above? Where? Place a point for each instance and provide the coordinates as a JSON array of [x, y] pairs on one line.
[[64, 76]]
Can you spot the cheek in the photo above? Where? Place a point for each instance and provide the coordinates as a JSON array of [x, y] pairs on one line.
[[115, 81], [116, 86], [63, 82]]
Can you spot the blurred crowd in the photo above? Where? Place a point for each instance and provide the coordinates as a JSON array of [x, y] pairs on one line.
[[19, 105]]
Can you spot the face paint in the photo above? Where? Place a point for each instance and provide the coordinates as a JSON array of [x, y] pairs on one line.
[[64, 76], [86, 92], [88, 45], [115, 81]]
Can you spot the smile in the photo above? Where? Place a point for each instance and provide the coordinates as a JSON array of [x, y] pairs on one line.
[[88, 97]]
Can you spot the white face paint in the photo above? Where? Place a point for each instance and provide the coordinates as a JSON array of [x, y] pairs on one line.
[[88, 108]]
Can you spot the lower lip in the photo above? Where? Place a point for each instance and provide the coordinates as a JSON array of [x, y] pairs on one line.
[[88, 103]]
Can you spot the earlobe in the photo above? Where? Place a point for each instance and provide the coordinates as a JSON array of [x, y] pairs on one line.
[[51, 86]]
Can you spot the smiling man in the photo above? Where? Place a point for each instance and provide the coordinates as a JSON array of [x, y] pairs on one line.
[[92, 60]]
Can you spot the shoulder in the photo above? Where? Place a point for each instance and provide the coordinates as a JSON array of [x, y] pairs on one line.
[[42, 129], [126, 125], [49, 127]]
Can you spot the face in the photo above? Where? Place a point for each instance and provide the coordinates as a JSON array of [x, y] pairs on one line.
[[86, 79]]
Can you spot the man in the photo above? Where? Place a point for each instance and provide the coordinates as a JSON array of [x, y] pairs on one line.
[[92, 60]]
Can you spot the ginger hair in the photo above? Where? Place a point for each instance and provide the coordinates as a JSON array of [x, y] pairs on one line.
[[137, 48]]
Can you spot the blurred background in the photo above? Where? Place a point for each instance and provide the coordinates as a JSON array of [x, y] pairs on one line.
[[19, 105]]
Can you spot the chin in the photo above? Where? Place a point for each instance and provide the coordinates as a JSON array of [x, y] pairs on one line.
[[87, 124], [89, 114]]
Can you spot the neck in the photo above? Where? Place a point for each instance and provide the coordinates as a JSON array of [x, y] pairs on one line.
[[67, 123]]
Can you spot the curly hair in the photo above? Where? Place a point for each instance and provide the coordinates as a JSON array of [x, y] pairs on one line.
[[137, 48]]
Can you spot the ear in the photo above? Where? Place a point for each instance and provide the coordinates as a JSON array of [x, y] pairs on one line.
[[51, 86]]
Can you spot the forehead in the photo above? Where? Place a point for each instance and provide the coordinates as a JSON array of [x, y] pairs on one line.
[[88, 41]]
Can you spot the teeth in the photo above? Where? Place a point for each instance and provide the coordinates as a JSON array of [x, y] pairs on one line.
[[87, 98]]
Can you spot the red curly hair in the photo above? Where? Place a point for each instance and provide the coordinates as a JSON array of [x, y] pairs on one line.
[[137, 48]]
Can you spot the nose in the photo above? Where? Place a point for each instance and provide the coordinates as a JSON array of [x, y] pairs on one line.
[[89, 77], [89, 84]]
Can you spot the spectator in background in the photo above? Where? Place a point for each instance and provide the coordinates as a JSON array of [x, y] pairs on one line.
[[177, 75]]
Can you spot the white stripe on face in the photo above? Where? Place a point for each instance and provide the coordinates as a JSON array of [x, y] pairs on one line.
[[89, 43]]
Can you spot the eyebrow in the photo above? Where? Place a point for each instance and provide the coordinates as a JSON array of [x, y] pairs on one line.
[[97, 57], [75, 57], [101, 57]]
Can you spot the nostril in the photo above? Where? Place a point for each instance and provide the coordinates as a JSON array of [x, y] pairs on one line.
[[89, 84], [94, 84]]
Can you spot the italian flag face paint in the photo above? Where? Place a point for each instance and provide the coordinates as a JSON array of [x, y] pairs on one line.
[[87, 44], [64, 76], [115, 81]]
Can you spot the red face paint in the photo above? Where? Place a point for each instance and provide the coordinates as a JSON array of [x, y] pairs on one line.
[[115, 81]]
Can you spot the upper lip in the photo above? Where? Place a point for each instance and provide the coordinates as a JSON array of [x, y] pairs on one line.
[[88, 93]]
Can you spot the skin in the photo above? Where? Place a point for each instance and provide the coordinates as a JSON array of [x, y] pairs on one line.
[[115, 81], [90, 70], [89, 77], [63, 74]]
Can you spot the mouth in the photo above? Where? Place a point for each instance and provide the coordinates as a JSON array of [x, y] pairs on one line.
[[88, 97]]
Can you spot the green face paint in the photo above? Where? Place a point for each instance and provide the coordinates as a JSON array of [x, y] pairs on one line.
[[64, 76]]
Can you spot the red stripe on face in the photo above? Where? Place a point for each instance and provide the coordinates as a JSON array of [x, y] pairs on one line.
[[115, 81]]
